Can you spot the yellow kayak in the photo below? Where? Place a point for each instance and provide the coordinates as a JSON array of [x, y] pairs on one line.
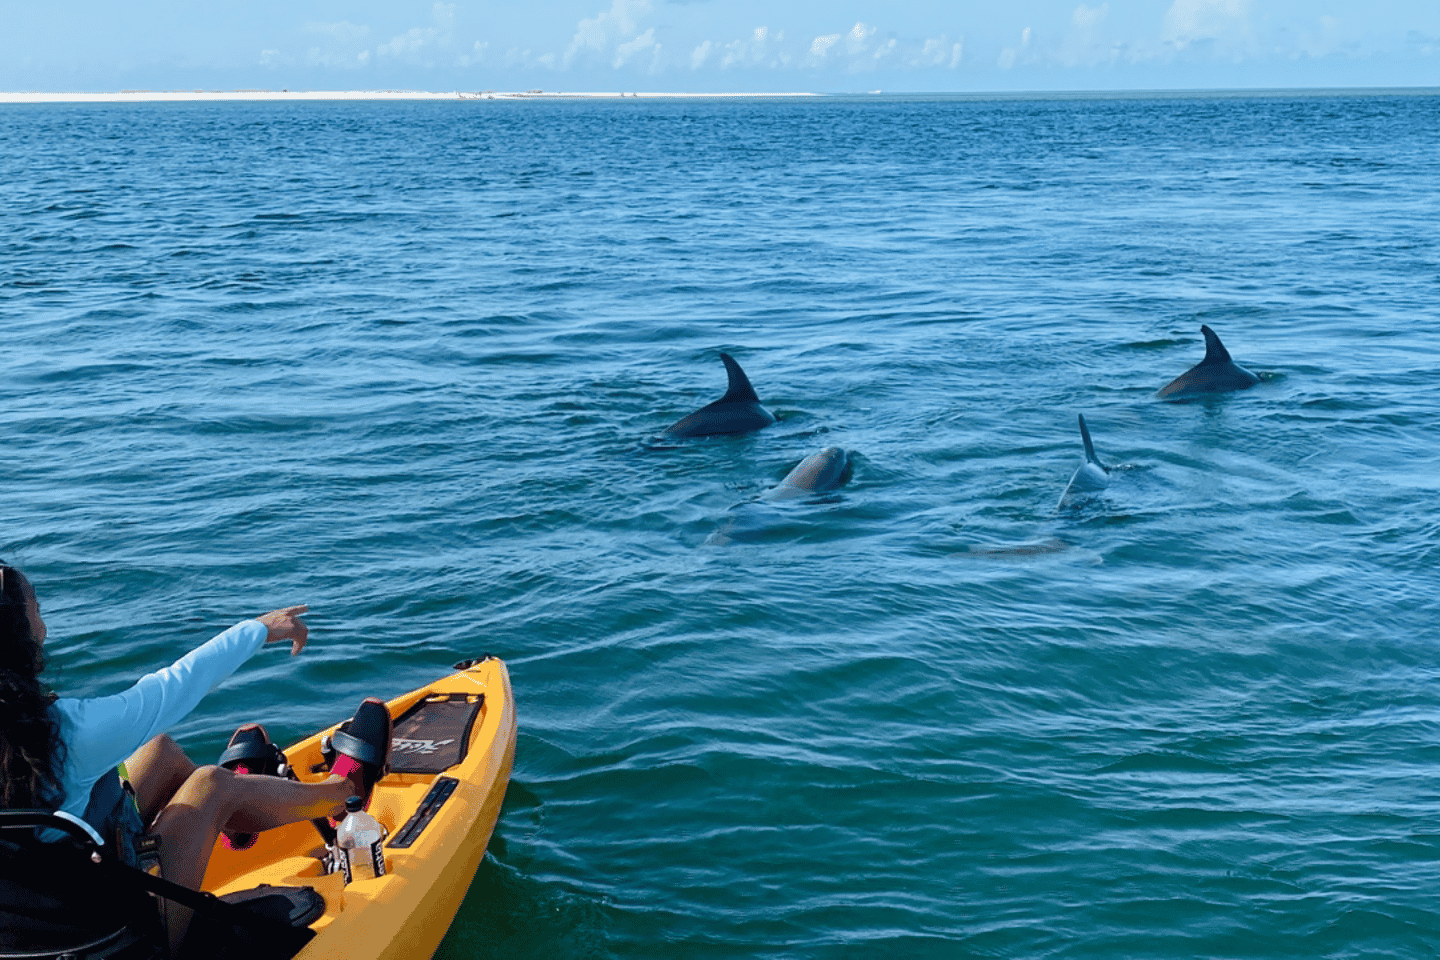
[[450, 758]]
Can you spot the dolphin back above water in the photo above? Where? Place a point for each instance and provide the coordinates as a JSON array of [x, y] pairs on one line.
[[1217, 373], [829, 469], [817, 473], [739, 411], [1092, 475]]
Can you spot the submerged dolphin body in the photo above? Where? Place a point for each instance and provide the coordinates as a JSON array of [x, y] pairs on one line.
[[1217, 373], [1052, 545], [826, 470], [739, 411], [1092, 475], [829, 469]]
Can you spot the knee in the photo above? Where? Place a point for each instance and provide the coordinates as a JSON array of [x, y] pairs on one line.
[[157, 750], [208, 796], [210, 781]]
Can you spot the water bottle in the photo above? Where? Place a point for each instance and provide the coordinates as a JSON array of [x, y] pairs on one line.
[[358, 843]]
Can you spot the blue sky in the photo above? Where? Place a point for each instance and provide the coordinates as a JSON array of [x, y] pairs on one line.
[[718, 45]]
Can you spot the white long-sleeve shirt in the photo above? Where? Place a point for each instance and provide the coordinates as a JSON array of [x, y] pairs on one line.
[[100, 732]]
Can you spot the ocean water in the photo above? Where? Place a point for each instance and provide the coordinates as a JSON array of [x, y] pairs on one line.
[[409, 363]]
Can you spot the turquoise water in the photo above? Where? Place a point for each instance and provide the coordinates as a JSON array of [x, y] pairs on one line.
[[408, 363]]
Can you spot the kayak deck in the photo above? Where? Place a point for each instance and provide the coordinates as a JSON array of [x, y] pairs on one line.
[[439, 815]]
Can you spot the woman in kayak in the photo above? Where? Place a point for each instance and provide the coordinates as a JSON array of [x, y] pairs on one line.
[[107, 760]]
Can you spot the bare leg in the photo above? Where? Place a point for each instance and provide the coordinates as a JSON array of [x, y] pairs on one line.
[[213, 798], [156, 771]]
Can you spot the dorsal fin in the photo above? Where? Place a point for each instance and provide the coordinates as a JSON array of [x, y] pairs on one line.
[[739, 390], [1090, 447], [1215, 351]]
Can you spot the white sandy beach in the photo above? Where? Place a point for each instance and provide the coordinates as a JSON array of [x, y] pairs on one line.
[[158, 96]]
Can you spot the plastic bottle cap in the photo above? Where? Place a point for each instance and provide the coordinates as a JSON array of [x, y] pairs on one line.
[[353, 804]]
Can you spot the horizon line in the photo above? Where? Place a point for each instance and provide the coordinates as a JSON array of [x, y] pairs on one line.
[[244, 94]]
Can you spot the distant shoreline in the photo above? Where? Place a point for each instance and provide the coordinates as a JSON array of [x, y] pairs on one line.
[[162, 96]]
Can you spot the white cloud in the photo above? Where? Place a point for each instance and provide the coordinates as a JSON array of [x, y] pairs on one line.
[[476, 54], [1190, 21], [754, 51], [1010, 55], [939, 52], [859, 49], [1325, 36], [1088, 18], [820, 46], [627, 50], [342, 45], [342, 32], [1084, 45], [516, 57], [858, 38], [316, 57], [606, 27], [410, 42], [415, 41]]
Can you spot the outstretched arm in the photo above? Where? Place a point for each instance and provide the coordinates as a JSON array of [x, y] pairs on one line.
[[99, 732]]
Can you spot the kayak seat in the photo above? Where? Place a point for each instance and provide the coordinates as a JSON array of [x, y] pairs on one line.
[[57, 898], [212, 939], [68, 898], [434, 734]]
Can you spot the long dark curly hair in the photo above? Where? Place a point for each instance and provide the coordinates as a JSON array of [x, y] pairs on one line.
[[31, 754]]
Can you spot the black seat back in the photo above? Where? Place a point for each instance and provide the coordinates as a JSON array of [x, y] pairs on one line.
[[57, 899], [68, 899]]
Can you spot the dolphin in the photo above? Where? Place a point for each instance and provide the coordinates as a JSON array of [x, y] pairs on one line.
[[1052, 545], [739, 411], [826, 470], [1217, 373], [1092, 475]]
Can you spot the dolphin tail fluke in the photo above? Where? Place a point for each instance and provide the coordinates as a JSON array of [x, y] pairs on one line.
[[739, 390], [1215, 351], [1089, 447]]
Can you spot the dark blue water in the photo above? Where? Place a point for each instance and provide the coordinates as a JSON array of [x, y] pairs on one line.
[[407, 363]]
